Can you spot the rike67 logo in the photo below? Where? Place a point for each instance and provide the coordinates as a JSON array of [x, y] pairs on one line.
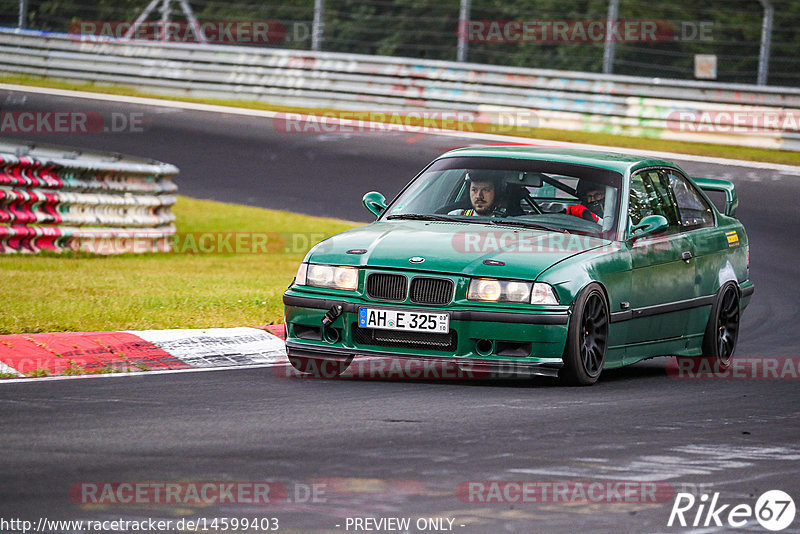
[[774, 510]]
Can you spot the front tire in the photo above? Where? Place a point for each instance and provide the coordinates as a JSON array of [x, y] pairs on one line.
[[587, 338]]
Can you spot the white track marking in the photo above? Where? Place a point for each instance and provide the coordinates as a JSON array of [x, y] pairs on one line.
[[684, 461], [216, 347], [5, 368], [36, 380]]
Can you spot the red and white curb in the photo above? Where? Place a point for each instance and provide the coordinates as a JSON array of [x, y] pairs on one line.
[[135, 351]]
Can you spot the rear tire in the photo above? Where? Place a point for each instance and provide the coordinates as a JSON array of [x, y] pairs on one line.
[[722, 331], [320, 367], [587, 338]]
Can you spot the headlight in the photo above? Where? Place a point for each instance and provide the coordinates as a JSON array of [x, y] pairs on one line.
[[485, 289], [491, 290], [329, 276], [517, 291]]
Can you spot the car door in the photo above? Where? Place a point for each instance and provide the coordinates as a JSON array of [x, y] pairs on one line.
[[663, 268], [697, 223]]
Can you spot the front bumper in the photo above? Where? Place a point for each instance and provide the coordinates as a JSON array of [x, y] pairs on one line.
[[479, 338]]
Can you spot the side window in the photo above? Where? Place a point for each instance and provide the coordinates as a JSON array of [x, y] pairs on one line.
[[650, 195], [693, 210]]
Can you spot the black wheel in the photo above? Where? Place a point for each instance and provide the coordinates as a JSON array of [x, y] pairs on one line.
[[722, 331], [320, 367], [587, 338]]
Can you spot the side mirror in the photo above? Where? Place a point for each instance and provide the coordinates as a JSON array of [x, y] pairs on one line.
[[375, 203], [649, 225]]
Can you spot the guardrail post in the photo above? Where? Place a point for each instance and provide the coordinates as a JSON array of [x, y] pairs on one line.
[[766, 37], [165, 10], [317, 25], [23, 13], [463, 32], [608, 49]]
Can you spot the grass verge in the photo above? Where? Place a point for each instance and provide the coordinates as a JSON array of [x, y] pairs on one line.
[[86, 292], [597, 138]]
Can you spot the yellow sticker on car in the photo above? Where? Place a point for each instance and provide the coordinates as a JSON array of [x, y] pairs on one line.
[[733, 238]]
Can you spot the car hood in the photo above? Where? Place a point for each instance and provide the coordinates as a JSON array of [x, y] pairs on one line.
[[453, 247]]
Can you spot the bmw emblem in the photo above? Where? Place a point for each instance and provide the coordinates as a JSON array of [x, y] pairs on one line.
[[416, 259]]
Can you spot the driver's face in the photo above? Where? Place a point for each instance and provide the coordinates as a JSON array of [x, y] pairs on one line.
[[481, 194], [597, 195]]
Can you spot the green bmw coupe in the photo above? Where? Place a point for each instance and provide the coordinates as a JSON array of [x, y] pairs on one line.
[[555, 262]]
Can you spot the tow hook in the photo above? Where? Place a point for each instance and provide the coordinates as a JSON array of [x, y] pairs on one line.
[[332, 314]]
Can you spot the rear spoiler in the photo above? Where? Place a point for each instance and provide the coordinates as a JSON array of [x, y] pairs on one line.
[[724, 186]]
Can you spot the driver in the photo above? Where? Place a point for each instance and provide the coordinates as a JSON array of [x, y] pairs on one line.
[[483, 195], [592, 197]]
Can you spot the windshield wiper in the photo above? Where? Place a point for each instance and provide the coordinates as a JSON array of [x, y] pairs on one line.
[[525, 224], [419, 217]]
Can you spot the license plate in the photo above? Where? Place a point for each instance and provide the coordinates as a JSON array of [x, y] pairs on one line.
[[415, 321]]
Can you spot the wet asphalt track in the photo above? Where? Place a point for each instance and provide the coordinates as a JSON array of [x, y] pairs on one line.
[[400, 449]]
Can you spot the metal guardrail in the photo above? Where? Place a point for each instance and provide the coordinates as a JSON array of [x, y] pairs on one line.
[[650, 107], [55, 199]]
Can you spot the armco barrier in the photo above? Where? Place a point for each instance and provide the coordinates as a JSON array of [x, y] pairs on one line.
[[55, 199], [651, 107]]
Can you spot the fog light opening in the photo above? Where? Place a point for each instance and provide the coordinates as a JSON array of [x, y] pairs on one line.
[[303, 331], [484, 347]]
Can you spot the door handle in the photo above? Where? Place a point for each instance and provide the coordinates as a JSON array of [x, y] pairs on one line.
[[686, 255]]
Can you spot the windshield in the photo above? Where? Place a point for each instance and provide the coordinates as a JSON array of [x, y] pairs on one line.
[[522, 192]]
